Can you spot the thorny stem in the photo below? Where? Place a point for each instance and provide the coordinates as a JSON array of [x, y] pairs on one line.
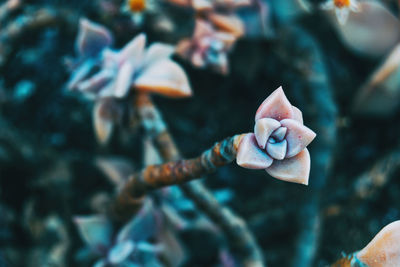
[[240, 238]]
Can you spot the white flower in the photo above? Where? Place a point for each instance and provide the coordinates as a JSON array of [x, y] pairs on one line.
[[342, 8]]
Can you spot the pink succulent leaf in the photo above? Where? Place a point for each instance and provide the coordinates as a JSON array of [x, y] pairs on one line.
[[276, 106], [295, 169], [124, 80], [297, 114], [80, 73], [298, 136], [384, 249], [166, 78], [263, 129], [250, 155], [103, 126], [142, 226], [157, 51], [92, 38], [173, 251], [120, 252], [134, 50], [96, 231], [277, 150]]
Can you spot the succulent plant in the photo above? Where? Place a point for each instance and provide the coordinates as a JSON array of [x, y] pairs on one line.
[[279, 141]]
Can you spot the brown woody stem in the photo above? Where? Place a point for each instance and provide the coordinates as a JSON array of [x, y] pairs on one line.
[[174, 173], [240, 238]]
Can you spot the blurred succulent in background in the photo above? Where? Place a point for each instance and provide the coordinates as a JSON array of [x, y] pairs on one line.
[[382, 251], [372, 31], [133, 244], [106, 75], [137, 9], [342, 8], [279, 141], [380, 96], [207, 48]]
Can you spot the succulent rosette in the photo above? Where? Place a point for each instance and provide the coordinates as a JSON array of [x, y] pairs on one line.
[[279, 141]]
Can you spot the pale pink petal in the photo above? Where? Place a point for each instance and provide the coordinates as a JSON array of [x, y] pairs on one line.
[[197, 59], [277, 150], [297, 114], [263, 129], [328, 5], [384, 249], [96, 231], [298, 136], [134, 50], [276, 106], [279, 134], [103, 126], [295, 169], [166, 78], [250, 155], [92, 38], [157, 51], [124, 80]]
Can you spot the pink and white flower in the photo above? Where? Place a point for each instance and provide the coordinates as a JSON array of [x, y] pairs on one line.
[[342, 8], [279, 141]]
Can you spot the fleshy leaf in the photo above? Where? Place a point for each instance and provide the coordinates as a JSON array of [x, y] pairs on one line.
[[276, 106], [373, 30], [133, 51], [96, 231], [263, 129], [295, 169], [92, 38], [277, 150], [166, 78], [298, 136], [202, 28], [156, 52], [384, 249], [80, 73], [120, 252], [297, 114], [96, 82], [124, 79], [250, 155], [103, 126]]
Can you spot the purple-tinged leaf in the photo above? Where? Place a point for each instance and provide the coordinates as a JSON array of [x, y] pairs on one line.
[[103, 126], [298, 136], [92, 38], [124, 80], [279, 134], [295, 169], [156, 52], [297, 114], [250, 155], [276, 106], [134, 50]]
